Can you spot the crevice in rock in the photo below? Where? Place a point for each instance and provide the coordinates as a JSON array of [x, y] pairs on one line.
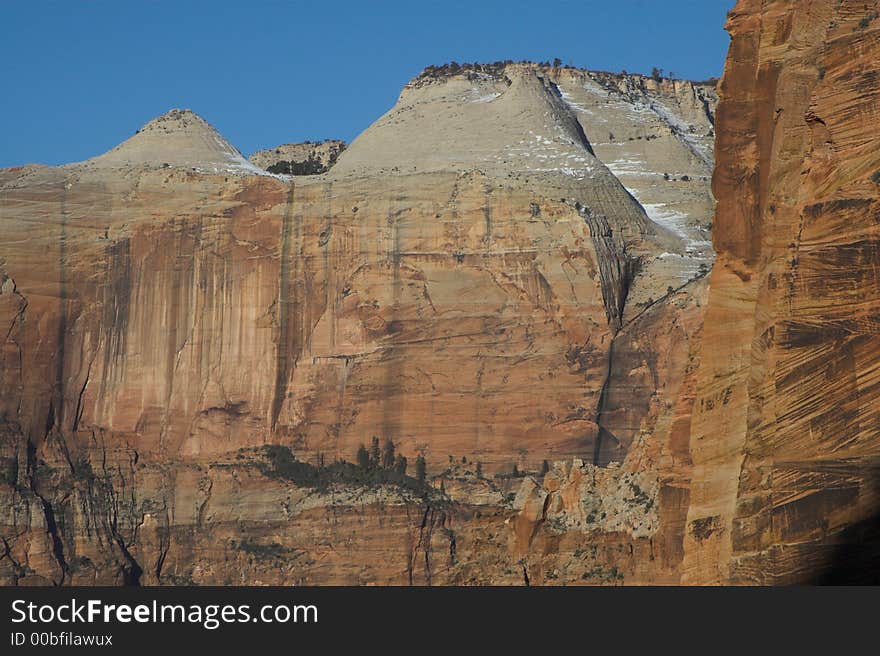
[[282, 357], [20, 313], [452, 546], [164, 535], [603, 434], [48, 514], [617, 270], [576, 124], [425, 541], [79, 399], [426, 531], [160, 561]]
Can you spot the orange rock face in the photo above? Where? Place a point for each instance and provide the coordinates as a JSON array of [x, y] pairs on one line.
[[303, 310], [785, 434], [194, 350], [176, 316]]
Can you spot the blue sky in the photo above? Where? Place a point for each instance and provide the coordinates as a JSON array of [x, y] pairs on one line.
[[80, 77]]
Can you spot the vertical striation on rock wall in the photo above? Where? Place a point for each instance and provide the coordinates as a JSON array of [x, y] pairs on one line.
[[504, 280], [784, 437]]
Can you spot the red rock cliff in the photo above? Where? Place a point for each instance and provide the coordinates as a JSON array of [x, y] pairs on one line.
[[190, 344], [186, 337], [785, 436]]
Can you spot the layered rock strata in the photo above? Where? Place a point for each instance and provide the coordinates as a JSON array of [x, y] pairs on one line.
[[470, 280]]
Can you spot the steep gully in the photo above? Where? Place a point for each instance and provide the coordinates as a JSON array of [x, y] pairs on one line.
[[617, 271], [618, 268]]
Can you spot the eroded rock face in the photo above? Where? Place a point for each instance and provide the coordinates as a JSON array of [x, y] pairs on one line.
[[470, 280], [657, 137], [785, 433], [498, 273]]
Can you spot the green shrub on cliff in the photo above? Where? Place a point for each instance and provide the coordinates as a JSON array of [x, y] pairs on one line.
[[280, 462]]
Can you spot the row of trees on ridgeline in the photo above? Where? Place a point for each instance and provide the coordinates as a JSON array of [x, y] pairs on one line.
[[385, 458]]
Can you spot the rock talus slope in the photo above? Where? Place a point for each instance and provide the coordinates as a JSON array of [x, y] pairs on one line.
[[195, 346]]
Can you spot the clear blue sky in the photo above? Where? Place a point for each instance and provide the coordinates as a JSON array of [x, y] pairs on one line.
[[80, 77]]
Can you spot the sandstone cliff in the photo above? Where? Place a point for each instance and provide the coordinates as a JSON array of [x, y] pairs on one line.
[[784, 438], [470, 280], [505, 276]]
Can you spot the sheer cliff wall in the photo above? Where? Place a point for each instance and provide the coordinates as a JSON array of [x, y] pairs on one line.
[[785, 437]]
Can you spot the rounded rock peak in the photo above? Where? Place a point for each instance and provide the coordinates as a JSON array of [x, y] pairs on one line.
[[176, 120], [179, 138]]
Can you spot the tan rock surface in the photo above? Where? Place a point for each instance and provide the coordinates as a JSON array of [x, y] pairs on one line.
[[657, 137]]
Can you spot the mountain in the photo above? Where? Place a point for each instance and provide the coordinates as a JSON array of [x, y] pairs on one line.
[[468, 280], [179, 139], [480, 345]]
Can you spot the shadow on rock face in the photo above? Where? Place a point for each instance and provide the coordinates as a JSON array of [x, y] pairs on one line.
[[856, 558], [854, 552]]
